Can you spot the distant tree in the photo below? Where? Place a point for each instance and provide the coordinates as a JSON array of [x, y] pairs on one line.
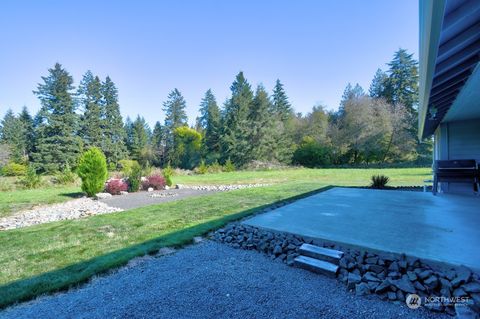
[[235, 143], [377, 87], [114, 132], [158, 144], [13, 134], [402, 83], [262, 137], [90, 97], [280, 104], [57, 143], [350, 93], [139, 143], [187, 151], [175, 116], [210, 122], [28, 127]]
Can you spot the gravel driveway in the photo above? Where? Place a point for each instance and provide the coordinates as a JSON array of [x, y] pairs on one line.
[[140, 199], [211, 280]]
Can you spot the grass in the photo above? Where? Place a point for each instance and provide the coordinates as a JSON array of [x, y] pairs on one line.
[[54, 256]]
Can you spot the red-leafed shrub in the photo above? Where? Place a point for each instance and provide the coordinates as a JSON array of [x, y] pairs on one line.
[[115, 186], [154, 181]]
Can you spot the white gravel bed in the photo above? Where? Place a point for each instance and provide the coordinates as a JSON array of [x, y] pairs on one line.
[[73, 209]]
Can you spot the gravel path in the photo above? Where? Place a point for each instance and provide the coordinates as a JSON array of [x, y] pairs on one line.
[[140, 199], [211, 280]]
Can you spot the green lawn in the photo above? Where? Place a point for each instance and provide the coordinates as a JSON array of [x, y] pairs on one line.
[[53, 256]]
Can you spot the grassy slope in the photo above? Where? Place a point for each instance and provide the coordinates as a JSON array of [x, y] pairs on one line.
[[52, 256]]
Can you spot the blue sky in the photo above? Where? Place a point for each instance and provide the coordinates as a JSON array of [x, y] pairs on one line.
[[148, 48]]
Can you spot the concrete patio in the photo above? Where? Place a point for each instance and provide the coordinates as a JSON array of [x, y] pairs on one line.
[[444, 228]]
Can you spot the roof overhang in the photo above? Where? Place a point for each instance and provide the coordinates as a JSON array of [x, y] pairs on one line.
[[449, 53]]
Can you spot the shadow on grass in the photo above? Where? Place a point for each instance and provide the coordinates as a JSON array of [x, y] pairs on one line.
[[72, 195], [64, 278]]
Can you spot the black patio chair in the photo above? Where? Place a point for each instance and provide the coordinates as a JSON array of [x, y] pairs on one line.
[[456, 171]]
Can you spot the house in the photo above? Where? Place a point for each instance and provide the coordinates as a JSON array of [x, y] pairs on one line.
[[449, 107]]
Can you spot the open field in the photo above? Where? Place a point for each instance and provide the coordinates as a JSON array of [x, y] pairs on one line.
[[53, 256]]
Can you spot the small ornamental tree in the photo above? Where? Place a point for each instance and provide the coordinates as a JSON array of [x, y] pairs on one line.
[[92, 169]]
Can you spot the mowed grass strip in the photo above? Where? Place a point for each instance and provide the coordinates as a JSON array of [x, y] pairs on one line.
[[54, 256]]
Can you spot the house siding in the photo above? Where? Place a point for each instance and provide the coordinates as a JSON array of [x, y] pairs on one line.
[[457, 140]]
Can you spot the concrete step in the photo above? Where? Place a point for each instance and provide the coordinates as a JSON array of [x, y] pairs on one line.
[[330, 255], [315, 265]]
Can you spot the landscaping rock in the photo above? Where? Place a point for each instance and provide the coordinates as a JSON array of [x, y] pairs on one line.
[[352, 280], [103, 195], [362, 289], [431, 282], [73, 209], [404, 284], [472, 287]]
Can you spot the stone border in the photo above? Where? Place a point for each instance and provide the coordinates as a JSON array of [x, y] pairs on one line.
[[389, 276]]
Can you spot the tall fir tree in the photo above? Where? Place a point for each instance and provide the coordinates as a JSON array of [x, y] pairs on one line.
[[158, 144], [210, 124], [378, 85], [262, 134], [236, 129], [28, 126], [175, 116], [57, 143], [139, 139], [350, 93], [284, 123], [90, 97], [114, 132], [14, 134], [402, 83], [281, 106]]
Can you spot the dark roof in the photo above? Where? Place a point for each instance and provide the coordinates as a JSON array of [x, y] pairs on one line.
[[457, 56]]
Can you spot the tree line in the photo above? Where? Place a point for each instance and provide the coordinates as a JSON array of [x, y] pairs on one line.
[[378, 126]]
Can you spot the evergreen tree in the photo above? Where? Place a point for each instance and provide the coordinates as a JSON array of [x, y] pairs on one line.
[[90, 95], [281, 106], [235, 143], [158, 144], [139, 140], [350, 93], [283, 123], [210, 123], [377, 87], [28, 127], [402, 83], [262, 134], [175, 116], [114, 132], [57, 143], [13, 134]]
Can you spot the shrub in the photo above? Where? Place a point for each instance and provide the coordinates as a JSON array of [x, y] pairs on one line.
[[202, 168], [135, 178], [310, 153], [379, 181], [5, 185], [168, 173], [66, 176], [92, 169], [154, 181], [31, 178], [115, 186], [14, 169], [126, 166], [215, 167], [229, 166]]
